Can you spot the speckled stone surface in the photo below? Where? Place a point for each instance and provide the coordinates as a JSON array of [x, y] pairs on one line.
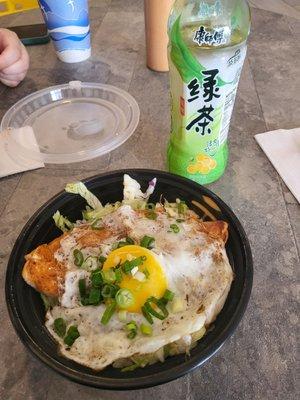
[[259, 361]]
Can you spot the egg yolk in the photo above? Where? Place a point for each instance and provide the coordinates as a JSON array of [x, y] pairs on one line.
[[154, 284]]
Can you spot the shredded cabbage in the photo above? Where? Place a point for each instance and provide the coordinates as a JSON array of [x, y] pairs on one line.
[[90, 215], [48, 301], [80, 188], [171, 209], [139, 360], [62, 222], [132, 190], [133, 196], [180, 346]]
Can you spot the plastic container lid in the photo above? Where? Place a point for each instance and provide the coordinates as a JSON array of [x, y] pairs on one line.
[[71, 122]]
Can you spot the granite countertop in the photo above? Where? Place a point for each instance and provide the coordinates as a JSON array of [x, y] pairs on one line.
[[259, 361]]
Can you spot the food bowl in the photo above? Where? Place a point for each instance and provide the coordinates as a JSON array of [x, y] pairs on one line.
[[27, 311]]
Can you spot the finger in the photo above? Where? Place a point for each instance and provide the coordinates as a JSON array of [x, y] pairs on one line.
[[21, 66], [9, 83], [13, 77], [11, 49]]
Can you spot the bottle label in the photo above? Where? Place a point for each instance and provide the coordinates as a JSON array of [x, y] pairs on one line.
[[204, 85], [210, 38]]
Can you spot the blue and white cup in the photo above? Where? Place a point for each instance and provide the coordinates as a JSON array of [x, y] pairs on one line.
[[69, 28]]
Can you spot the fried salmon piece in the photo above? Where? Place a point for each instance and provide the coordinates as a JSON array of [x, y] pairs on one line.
[[42, 271], [215, 229], [92, 237]]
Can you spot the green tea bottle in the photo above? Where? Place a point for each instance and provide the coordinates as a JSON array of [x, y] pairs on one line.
[[207, 50]]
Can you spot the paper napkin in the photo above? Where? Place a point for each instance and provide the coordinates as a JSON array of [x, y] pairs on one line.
[[10, 161], [282, 148]]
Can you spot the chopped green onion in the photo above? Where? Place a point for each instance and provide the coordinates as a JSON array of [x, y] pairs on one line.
[[159, 304], [60, 327], [129, 240], [85, 301], [122, 244], [96, 278], [94, 297], [122, 315], [134, 270], [101, 259], [175, 228], [82, 288], [147, 242], [150, 206], [110, 309], [115, 246], [90, 263], [151, 215], [180, 220], [129, 265], [168, 295], [146, 329], [109, 291], [131, 327], [72, 335], [118, 274], [124, 298], [139, 276], [78, 257], [147, 315], [182, 207], [109, 276], [147, 273], [132, 334]]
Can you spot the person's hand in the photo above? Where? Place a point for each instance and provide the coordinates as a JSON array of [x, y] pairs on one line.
[[14, 59]]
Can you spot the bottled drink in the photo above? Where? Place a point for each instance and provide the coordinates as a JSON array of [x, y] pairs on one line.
[[207, 49]]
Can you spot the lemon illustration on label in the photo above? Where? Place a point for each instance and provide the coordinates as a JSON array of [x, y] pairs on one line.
[[204, 165]]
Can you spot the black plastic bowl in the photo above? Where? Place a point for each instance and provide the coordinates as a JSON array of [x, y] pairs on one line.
[[27, 312]]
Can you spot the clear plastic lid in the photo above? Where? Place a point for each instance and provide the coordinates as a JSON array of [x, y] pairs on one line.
[[71, 122]]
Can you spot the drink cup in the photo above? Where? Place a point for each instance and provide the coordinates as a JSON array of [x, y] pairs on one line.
[[156, 21], [68, 27]]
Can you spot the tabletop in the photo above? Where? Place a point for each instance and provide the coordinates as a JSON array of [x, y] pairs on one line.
[[259, 361]]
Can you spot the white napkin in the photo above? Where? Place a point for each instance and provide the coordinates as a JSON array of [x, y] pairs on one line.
[[282, 148], [10, 162]]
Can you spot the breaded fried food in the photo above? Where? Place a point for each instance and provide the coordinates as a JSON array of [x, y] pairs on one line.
[[42, 271]]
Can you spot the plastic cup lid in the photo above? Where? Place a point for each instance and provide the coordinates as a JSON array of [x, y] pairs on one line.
[[71, 122]]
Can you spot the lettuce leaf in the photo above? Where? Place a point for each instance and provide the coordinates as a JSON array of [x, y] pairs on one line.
[[89, 214], [80, 188], [62, 222], [132, 194]]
